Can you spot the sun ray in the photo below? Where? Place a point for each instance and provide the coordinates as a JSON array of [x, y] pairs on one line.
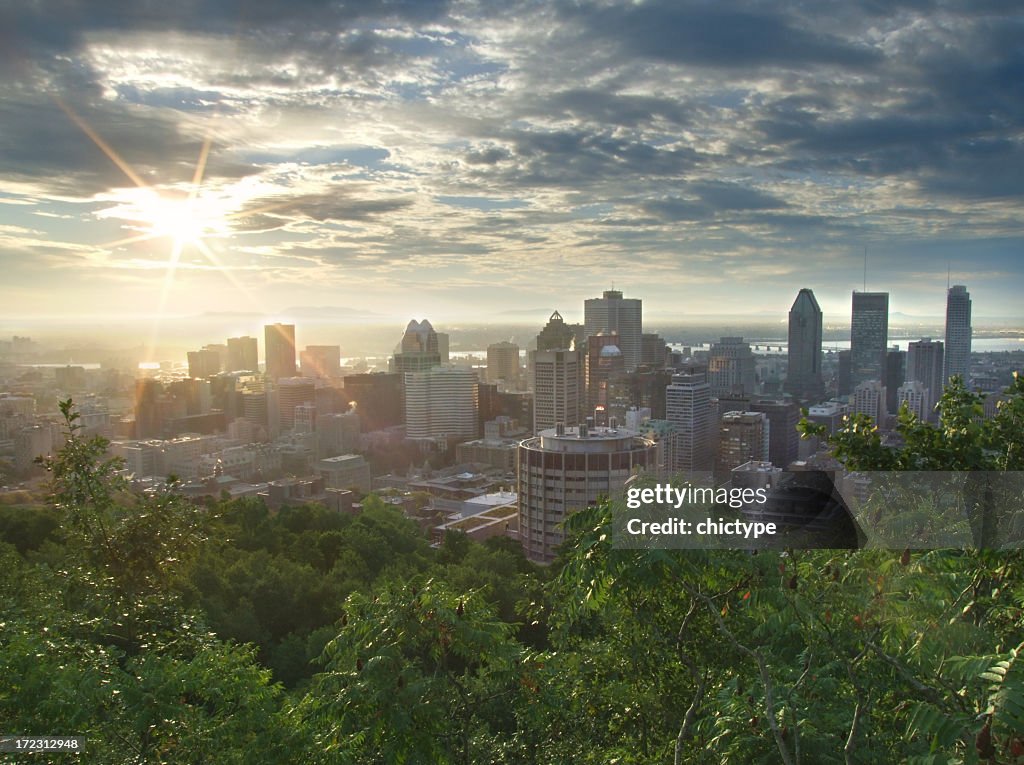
[[179, 220], [165, 293], [105, 147], [130, 240]]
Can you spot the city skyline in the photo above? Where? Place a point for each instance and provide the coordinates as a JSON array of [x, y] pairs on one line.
[[416, 159]]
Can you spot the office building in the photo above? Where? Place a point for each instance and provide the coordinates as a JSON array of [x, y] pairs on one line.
[[732, 368], [844, 373], [803, 377], [688, 408], [869, 399], [70, 379], [653, 351], [503, 365], [242, 355], [895, 376], [441, 403], [915, 397], [345, 471], [204, 363], [31, 443], [742, 437], [605, 369], [337, 434], [557, 398], [925, 363], [418, 351], [322, 361], [783, 436], [279, 345], [291, 392], [563, 470], [613, 313], [556, 334], [869, 336], [443, 346], [958, 334], [378, 399]]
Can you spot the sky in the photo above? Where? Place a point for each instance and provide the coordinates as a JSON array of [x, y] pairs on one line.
[[476, 161]]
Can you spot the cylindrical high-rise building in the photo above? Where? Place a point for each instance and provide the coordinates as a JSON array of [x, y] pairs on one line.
[[566, 469]]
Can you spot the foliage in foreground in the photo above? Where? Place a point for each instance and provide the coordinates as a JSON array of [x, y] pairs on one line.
[[626, 656]]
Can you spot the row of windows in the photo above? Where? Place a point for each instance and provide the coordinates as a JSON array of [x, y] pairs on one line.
[[585, 462]]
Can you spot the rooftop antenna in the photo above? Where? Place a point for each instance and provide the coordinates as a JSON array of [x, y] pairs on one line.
[[947, 275], [865, 268]]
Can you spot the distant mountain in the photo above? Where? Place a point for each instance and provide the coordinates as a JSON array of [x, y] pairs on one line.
[[328, 312]]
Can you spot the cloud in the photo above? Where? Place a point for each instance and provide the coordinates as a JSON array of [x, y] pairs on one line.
[[718, 35], [442, 141], [334, 205]]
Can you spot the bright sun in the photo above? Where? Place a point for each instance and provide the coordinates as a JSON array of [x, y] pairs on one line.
[[187, 220], [179, 219]]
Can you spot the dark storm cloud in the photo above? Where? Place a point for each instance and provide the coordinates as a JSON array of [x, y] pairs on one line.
[[716, 35]]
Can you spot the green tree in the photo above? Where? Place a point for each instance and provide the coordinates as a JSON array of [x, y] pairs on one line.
[[417, 674], [102, 646]]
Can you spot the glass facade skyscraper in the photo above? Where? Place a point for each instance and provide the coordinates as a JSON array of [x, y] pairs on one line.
[[869, 336], [803, 379], [958, 333]]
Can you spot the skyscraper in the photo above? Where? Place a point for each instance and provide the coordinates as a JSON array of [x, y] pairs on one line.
[[557, 334], [613, 313], [557, 394], [441, 403], [958, 334], [732, 368], [915, 396], [291, 393], [503, 364], [604, 367], [895, 376], [203, 363], [321, 361], [418, 351], [564, 470], [804, 379], [242, 354], [688, 408], [925, 365], [743, 437], [279, 344], [869, 399], [869, 336]]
